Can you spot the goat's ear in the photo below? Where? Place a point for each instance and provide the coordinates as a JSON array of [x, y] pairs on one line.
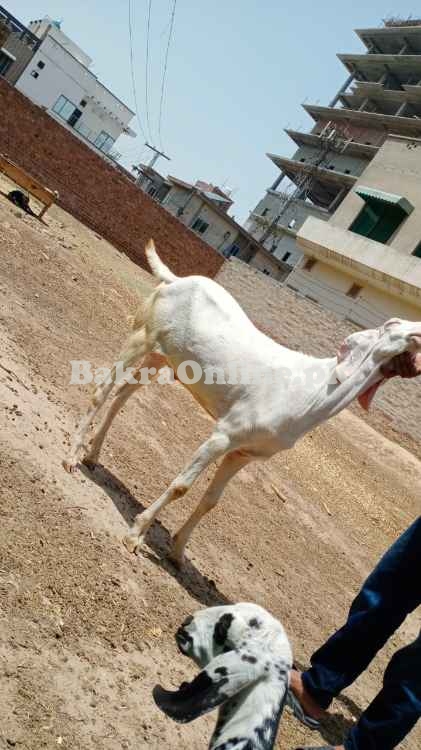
[[353, 350], [223, 677], [392, 322]]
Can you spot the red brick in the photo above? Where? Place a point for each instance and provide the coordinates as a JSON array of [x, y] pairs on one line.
[[96, 193]]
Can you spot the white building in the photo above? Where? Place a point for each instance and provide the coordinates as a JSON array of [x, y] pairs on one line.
[[58, 78]]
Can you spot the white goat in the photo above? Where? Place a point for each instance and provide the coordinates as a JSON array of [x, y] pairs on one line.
[[245, 658], [194, 319]]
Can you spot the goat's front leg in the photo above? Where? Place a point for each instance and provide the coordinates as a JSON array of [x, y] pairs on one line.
[[231, 464], [217, 445]]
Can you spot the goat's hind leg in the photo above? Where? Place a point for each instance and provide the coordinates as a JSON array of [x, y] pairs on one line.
[[231, 464], [215, 447], [124, 392], [136, 347]]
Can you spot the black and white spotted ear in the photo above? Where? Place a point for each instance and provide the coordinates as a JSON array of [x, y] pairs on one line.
[[222, 627], [223, 678]]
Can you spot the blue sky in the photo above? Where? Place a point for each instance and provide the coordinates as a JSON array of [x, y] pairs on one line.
[[238, 72]]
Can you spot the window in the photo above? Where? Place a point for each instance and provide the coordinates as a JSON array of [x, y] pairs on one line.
[[34, 74], [378, 220], [40, 64], [286, 256], [104, 142], [354, 291], [5, 62], [67, 110], [84, 130], [152, 191], [347, 171], [200, 226], [74, 117], [266, 272], [64, 107], [417, 251], [265, 212], [235, 249], [302, 159], [309, 264], [162, 193], [82, 103]]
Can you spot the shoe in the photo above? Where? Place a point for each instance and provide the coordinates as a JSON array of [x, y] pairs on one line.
[[299, 713]]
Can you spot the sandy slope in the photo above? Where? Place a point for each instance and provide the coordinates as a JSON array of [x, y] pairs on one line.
[[87, 629]]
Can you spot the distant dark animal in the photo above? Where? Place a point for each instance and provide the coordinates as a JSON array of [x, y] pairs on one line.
[[21, 200]]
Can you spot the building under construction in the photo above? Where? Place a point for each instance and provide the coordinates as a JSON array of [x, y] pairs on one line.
[[380, 96]]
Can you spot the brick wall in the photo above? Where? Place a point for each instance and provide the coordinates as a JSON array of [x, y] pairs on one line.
[[93, 191], [299, 323]]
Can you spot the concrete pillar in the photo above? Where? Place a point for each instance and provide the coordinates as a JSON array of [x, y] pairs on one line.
[[337, 199], [401, 109], [197, 213], [341, 90], [277, 181], [180, 211]]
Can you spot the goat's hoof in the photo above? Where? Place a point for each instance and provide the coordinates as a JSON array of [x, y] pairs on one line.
[[91, 462], [70, 466], [133, 543]]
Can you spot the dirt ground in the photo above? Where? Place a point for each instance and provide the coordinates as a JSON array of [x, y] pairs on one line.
[[87, 629]]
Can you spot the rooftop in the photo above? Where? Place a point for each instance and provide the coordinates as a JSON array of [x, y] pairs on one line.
[[16, 26], [401, 22], [391, 39]]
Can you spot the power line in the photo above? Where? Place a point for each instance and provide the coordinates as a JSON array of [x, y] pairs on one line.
[[164, 75], [132, 71], [148, 30]]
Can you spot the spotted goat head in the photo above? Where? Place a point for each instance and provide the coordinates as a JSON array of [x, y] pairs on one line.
[[245, 658]]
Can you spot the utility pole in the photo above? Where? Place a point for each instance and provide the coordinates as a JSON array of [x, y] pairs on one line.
[[156, 155]]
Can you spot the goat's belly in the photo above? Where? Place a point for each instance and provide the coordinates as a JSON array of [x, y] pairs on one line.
[[215, 407], [215, 397]]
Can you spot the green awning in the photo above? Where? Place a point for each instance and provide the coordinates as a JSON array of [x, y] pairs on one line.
[[371, 194]]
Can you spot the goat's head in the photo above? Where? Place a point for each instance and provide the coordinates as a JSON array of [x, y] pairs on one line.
[[245, 659], [375, 351]]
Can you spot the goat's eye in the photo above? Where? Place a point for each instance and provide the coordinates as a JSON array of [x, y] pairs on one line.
[[221, 629], [187, 621]]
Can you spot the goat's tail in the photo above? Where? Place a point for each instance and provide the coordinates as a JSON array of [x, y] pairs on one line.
[[158, 268]]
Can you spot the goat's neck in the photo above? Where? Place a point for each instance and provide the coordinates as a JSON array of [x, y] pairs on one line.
[[327, 398], [250, 720]]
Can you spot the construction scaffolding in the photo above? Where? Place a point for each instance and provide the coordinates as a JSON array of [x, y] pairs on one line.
[[334, 138]]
